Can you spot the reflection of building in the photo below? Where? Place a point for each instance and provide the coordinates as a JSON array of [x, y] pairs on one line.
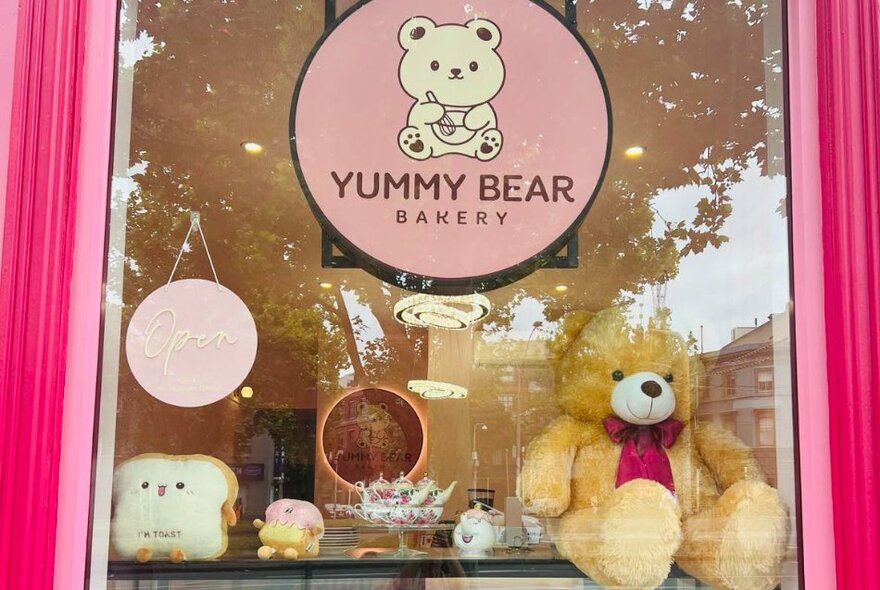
[[254, 473], [511, 391], [735, 387]]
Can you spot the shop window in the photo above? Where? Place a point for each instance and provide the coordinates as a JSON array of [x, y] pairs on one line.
[[764, 377], [765, 426], [702, 384], [728, 422], [388, 262], [730, 384]]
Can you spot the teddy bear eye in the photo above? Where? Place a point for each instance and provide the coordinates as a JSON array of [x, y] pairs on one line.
[[145, 485], [435, 65], [180, 485], [474, 66], [668, 377], [617, 375]]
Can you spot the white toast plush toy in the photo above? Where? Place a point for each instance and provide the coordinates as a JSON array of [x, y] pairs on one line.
[[172, 507]]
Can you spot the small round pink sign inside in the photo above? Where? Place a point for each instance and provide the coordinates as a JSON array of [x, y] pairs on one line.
[[447, 146], [191, 343]]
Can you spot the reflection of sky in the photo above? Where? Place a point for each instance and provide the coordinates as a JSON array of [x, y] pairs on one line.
[[525, 313], [746, 278], [367, 327], [720, 289], [134, 50]]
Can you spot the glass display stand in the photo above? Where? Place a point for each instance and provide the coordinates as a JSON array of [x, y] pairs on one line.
[[403, 551]]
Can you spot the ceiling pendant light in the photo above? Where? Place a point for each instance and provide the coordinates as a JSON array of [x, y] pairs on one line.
[[428, 389], [458, 312]]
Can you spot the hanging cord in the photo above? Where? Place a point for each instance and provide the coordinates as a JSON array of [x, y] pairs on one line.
[[195, 222], [208, 252]]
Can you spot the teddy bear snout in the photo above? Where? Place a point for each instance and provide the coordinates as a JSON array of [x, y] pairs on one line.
[[651, 388], [643, 398], [455, 71]]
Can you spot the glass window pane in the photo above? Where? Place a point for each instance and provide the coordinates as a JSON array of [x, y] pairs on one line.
[[638, 358]]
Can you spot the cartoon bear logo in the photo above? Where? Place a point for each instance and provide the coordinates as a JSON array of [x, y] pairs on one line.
[[453, 72]]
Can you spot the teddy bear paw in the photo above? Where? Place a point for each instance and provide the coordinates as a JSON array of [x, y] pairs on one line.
[[490, 144], [411, 142], [545, 506], [741, 542], [629, 541]]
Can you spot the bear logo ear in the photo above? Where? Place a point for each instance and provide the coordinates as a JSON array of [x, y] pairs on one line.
[[486, 31], [414, 30]]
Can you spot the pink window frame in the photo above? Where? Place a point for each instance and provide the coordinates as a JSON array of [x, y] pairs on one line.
[[88, 262]]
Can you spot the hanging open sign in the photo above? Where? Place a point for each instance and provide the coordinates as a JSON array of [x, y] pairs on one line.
[[191, 343]]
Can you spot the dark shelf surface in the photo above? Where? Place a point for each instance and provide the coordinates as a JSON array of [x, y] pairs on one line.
[[438, 563]]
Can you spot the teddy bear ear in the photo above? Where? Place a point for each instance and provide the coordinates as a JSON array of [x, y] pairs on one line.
[[414, 30], [570, 327], [486, 31]]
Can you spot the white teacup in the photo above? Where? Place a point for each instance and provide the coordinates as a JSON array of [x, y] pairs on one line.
[[375, 513]]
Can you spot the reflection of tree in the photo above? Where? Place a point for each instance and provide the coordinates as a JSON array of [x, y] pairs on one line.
[[519, 370], [281, 426], [687, 82]]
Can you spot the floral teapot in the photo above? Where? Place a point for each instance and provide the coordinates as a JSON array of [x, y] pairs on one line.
[[399, 492], [436, 496], [402, 491]]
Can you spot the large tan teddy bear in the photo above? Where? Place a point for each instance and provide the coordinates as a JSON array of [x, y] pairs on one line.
[[638, 481]]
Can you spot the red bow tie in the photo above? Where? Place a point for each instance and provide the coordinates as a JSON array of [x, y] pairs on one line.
[[644, 449]]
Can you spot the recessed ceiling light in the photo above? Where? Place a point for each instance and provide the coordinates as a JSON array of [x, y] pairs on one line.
[[561, 288], [247, 392], [252, 147], [325, 285], [635, 151]]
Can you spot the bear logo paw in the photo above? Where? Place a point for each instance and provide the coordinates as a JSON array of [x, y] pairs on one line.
[[490, 144]]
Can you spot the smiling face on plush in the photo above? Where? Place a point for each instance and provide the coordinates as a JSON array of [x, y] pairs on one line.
[[458, 64], [167, 502], [474, 532], [604, 367]]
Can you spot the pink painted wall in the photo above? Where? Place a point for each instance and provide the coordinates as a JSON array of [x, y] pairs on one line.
[[8, 26], [85, 296], [817, 519]]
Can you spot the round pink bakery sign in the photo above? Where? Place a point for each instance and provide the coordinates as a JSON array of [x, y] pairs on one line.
[[450, 147], [191, 343]]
